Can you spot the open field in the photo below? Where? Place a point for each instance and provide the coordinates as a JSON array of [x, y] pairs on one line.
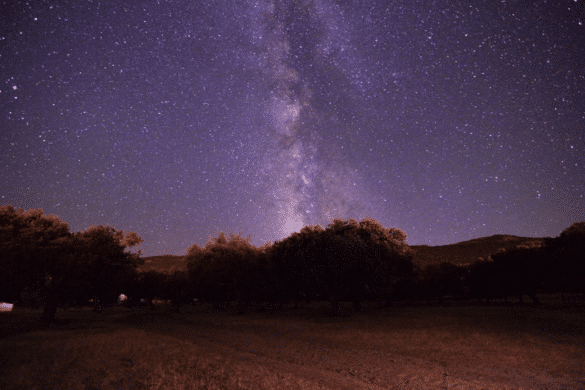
[[459, 347]]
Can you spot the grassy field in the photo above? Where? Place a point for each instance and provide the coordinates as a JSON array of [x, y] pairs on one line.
[[422, 347]]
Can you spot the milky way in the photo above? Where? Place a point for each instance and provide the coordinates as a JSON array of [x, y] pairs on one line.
[[179, 119]]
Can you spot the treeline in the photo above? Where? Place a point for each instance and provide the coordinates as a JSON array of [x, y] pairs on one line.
[[346, 260], [355, 262], [43, 264]]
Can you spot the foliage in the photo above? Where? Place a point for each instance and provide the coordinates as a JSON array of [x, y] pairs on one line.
[[226, 269], [25, 240], [294, 263], [176, 287], [42, 257], [440, 280], [574, 233], [149, 285], [520, 271], [566, 255], [92, 265], [345, 260], [481, 279]]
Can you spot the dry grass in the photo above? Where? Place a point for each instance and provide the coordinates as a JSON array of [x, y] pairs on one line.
[[466, 347]]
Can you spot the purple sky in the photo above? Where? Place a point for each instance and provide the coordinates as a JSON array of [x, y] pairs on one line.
[[178, 119]]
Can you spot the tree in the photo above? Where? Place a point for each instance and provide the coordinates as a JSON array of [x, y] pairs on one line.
[[389, 262], [225, 269], [343, 253], [566, 254], [481, 280], [574, 233], [443, 279], [177, 289], [41, 258], [89, 265], [520, 271], [150, 285], [26, 239], [264, 288], [294, 264], [345, 260]]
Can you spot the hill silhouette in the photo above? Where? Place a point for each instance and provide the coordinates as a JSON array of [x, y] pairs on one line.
[[163, 263], [467, 252]]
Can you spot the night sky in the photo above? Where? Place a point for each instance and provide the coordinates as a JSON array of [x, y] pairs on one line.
[[179, 119]]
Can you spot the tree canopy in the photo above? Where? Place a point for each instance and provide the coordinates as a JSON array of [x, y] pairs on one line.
[[225, 269], [344, 260], [26, 241], [41, 256]]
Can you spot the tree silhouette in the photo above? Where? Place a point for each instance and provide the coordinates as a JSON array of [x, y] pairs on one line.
[[481, 280], [293, 264], [313, 261], [345, 260], [89, 265], [574, 233], [444, 279], [261, 286], [41, 258], [226, 269], [343, 251], [567, 258], [176, 288], [150, 285], [520, 271], [386, 261], [25, 242]]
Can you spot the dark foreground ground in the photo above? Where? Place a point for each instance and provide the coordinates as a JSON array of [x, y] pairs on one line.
[[463, 346]]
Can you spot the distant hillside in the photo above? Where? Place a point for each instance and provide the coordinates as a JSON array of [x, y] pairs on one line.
[[163, 263], [467, 252]]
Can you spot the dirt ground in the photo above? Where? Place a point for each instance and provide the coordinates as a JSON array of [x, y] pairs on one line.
[[421, 347]]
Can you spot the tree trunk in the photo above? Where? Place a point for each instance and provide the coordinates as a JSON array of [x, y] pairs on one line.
[[49, 310]]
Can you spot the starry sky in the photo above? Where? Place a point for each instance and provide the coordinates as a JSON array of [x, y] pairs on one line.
[[177, 119]]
